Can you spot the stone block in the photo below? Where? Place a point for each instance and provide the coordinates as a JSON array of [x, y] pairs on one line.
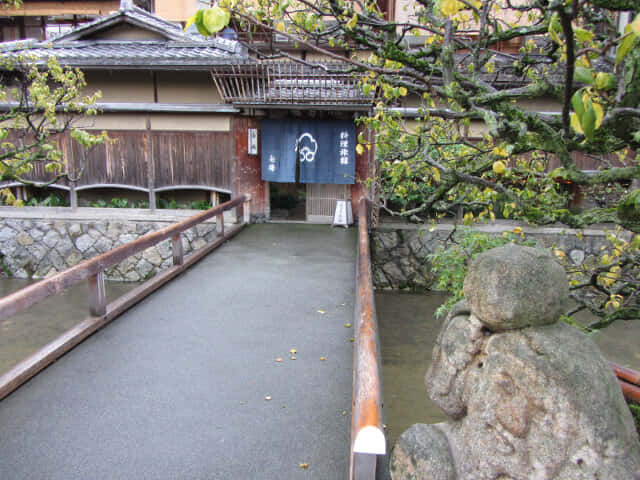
[[144, 227], [152, 256], [75, 230], [144, 269], [65, 246], [84, 242], [126, 238], [577, 256], [7, 233], [51, 238], [73, 259], [164, 249], [103, 244], [60, 226], [132, 276], [198, 243], [24, 239], [93, 233]]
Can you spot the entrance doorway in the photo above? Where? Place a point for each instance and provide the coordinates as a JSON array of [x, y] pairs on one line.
[[287, 201], [311, 202]]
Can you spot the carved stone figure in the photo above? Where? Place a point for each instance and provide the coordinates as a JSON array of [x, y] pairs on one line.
[[530, 398]]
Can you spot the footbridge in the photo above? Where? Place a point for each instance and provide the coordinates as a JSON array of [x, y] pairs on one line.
[[257, 361]]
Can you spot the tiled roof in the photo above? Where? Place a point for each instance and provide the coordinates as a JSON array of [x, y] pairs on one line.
[[132, 54], [79, 48], [132, 15]]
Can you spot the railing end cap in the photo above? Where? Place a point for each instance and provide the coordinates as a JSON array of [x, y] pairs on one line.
[[370, 440]]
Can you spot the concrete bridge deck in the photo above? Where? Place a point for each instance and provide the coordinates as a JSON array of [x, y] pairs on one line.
[[179, 386]]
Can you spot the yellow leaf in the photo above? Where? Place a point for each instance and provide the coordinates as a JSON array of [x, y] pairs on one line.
[[448, 8], [347, 325], [559, 253], [599, 114], [402, 91], [635, 25], [575, 123], [280, 26], [359, 149], [293, 351], [321, 312], [323, 358], [499, 167], [517, 230], [352, 23], [304, 465], [436, 174]]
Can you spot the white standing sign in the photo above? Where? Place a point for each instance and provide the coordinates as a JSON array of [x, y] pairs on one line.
[[343, 215]]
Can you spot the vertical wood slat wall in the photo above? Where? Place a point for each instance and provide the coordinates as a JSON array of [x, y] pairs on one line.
[[180, 158]]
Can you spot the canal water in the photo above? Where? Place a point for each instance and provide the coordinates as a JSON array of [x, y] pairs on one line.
[[26, 332], [408, 329]]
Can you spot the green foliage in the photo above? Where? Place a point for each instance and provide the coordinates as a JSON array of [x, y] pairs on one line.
[[629, 210], [451, 261], [200, 205], [51, 200], [169, 204], [115, 202], [46, 101]]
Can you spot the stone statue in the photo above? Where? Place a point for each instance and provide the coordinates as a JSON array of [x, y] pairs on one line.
[[530, 398]]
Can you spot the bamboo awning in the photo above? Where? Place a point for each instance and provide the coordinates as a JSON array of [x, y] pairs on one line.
[[289, 83]]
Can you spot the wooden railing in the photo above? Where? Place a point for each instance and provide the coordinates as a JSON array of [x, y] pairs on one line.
[[367, 435], [92, 270], [629, 382]]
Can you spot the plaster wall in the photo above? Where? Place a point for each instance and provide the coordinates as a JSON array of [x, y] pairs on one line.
[[126, 32], [114, 121], [121, 86], [28, 9], [176, 10], [187, 87], [190, 122]]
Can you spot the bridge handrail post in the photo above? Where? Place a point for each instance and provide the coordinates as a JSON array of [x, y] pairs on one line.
[[97, 295], [176, 246], [367, 436], [246, 209], [220, 225]]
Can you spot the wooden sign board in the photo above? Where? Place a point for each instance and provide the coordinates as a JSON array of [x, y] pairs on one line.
[[343, 215]]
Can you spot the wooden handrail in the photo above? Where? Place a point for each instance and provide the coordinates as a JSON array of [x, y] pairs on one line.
[[367, 435], [93, 271], [629, 381], [28, 296]]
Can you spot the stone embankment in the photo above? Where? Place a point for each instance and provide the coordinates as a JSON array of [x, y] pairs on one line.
[[399, 251], [38, 242]]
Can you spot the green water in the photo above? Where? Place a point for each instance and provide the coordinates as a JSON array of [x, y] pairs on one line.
[[28, 331], [408, 330]]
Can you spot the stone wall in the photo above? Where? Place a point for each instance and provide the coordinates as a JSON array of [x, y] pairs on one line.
[[35, 243], [399, 251]]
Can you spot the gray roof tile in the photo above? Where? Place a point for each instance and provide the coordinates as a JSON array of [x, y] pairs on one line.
[[180, 49]]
